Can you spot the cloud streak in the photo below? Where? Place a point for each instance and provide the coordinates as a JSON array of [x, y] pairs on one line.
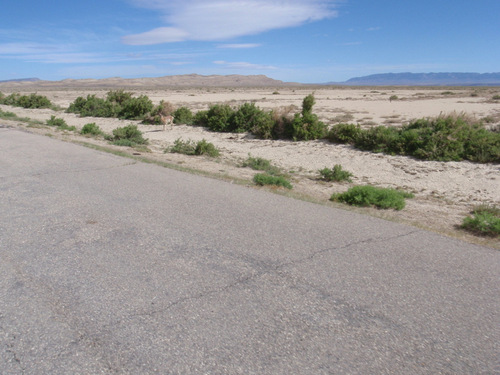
[[244, 65], [216, 20]]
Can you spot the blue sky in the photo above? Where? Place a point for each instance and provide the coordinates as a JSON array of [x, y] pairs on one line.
[[310, 41]]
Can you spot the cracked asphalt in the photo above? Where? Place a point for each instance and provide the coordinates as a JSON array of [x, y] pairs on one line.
[[110, 266]]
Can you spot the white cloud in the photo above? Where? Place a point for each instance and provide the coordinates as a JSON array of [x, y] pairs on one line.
[[213, 20], [244, 65], [239, 46]]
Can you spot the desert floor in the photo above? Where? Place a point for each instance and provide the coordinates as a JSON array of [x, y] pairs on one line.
[[445, 192]]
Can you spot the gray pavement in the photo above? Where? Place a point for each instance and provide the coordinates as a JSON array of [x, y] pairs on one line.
[[109, 266]]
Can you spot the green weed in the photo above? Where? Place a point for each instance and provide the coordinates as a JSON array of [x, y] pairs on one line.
[[366, 196]]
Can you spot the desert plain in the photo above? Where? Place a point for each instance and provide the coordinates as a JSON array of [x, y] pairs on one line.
[[445, 192]]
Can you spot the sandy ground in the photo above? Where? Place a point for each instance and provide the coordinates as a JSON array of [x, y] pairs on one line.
[[445, 191]]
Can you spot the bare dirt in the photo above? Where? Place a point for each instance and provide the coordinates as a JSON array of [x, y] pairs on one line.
[[445, 192]]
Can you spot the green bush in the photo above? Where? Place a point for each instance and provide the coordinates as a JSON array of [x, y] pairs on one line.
[[335, 174], [118, 96], [449, 138], [219, 118], [485, 221], [496, 97], [267, 179], [201, 118], [59, 123], [183, 115], [128, 136], [183, 147], [305, 126], [135, 108], [26, 101], [206, 148], [393, 97], [344, 133], [261, 164], [190, 148], [91, 129], [249, 117], [94, 107], [366, 196]]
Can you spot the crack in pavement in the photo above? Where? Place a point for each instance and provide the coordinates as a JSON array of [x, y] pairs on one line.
[[243, 280]]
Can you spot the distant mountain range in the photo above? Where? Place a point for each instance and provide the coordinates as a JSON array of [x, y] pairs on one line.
[[425, 79], [196, 80], [22, 80]]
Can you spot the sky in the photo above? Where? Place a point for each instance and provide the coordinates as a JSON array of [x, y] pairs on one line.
[[307, 41]]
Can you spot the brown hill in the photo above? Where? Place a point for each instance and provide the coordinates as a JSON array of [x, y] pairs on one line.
[[187, 80]]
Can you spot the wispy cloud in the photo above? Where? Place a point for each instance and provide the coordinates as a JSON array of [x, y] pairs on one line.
[[244, 65], [239, 46], [213, 20], [377, 28]]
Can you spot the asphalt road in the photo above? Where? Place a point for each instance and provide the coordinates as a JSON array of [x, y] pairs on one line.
[[110, 266]]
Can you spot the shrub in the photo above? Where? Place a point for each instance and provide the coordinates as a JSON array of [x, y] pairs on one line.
[[26, 101], [335, 174], [183, 147], [34, 101], [190, 148], [366, 196], [267, 179], [261, 164], [248, 117], [307, 104], [305, 126], [91, 129], [183, 115], [60, 123], [444, 138], [496, 97], [219, 117], [485, 221], [128, 136], [95, 107], [201, 118], [135, 108], [206, 148], [344, 133], [118, 96], [393, 97]]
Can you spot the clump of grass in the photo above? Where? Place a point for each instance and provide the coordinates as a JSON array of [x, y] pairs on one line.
[[267, 179], [485, 221], [366, 196], [91, 129], [496, 97], [335, 174], [59, 123], [206, 148], [261, 164], [393, 97], [189, 147]]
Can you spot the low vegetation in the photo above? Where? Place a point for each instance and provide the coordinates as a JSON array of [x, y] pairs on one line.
[[445, 138], [485, 221], [119, 104], [128, 136], [59, 123], [268, 179], [26, 101], [91, 129], [336, 174], [189, 147], [261, 164], [366, 196]]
